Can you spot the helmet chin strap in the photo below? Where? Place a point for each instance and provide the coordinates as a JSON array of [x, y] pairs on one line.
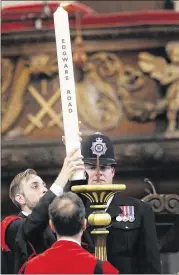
[[98, 169]]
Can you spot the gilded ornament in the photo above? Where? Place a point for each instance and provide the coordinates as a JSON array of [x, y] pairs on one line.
[[168, 75]]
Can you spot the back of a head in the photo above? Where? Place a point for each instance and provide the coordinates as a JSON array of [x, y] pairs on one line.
[[67, 213]]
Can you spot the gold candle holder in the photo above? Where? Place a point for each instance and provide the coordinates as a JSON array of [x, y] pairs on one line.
[[98, 195]]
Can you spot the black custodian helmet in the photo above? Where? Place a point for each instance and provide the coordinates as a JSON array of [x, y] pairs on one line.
[[98, 145]]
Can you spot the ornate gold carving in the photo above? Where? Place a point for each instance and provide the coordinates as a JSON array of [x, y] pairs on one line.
[[44, 86], [106, 80], [103, 96], [167, 74], [7, 74], [108, 196], [46, 109], [99, 219], [102, 196], [130, 78], [96, 96], [88, 196], [105, 65], [24, 68], [43, 64], [100, 249], [18, 88], [107, 90], [172, 49]]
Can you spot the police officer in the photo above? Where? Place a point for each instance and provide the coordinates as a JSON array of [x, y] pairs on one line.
[[132, 240]]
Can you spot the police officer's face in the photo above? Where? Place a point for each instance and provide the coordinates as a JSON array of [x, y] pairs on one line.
[[106, 174], [33, 188]]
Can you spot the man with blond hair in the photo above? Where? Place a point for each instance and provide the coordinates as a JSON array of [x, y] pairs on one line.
[[28, 233]]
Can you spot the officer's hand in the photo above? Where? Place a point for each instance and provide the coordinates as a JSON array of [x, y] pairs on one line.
[[72, 163]]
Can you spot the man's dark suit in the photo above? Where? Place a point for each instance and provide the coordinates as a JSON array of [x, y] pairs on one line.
[[131, 246], [32, 229]]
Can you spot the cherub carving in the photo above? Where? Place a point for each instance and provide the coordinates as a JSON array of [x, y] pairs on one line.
[[168, 75]]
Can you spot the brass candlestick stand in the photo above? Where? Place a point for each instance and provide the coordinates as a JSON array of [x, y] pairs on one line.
[[99, 219]]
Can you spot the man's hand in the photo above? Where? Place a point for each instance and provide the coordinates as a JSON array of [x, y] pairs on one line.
[[80, 138], [72, 163]]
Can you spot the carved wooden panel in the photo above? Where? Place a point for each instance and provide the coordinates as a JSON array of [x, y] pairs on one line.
[[117, 94]]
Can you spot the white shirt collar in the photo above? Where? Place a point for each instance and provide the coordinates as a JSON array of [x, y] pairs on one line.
[[109, 201], [69, 239], [25, 213]]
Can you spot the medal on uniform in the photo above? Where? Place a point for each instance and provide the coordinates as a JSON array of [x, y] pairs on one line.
[[127, 214]]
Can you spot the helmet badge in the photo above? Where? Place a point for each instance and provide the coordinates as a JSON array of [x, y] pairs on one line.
[[98, 147]]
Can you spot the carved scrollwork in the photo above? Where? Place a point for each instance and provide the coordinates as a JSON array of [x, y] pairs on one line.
[[106, 65], [99, 107], [156, 201], [162, 203], [172, 203], [96, 95], [104, 95], [107, 89]]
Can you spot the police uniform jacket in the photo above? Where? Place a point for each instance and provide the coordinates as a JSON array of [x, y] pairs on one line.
[[66, 257], [132, 245]]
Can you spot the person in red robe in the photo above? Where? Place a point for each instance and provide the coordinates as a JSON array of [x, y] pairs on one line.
[[28, 233], [66, 256]]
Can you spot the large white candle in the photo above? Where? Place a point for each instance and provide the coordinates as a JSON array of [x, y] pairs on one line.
[[176, 5], [67, 83]]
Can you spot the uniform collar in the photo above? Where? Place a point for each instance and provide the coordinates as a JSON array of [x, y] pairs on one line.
[[114, 207], [109, 202]]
